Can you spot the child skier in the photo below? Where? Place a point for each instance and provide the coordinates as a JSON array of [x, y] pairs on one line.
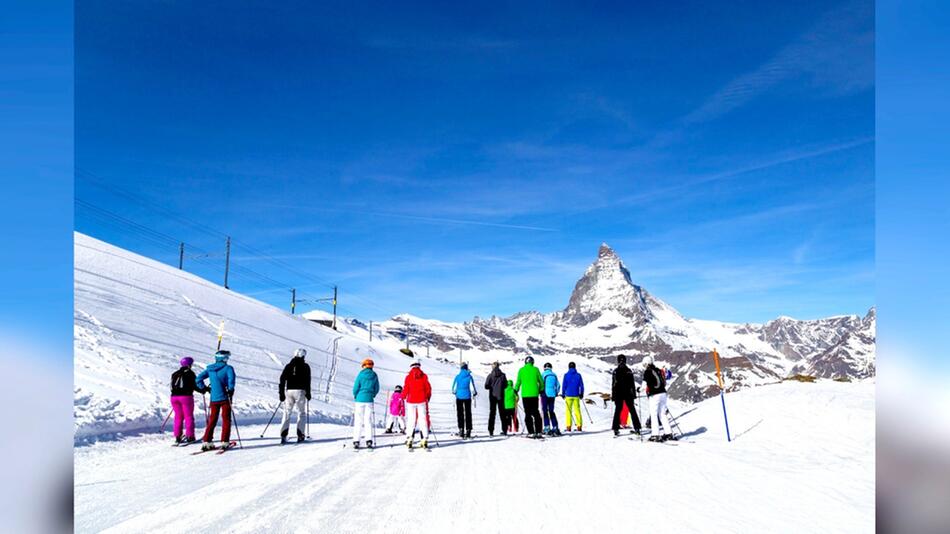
[[221, 379], [417, 391], [509, 415], [573, 392], [365, 388], [397, 412], [183, 402], [551, 390], [464, 388]]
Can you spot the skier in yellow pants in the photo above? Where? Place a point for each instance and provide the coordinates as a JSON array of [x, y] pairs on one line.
[[573, 392]]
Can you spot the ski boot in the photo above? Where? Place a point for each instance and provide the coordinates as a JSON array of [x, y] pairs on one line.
[[207, 446], [655, 439], [283, 437], [187, 441], [468, 434], [579, 429], [369, 444], [177, 440], [424, 444], [669, 437], [568, 429], [616, 433], [356, 444], [300, 437], [409, 443]]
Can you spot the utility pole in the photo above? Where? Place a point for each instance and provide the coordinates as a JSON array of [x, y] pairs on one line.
[[181, 256], [227, 262], [460, 356], [293, 300], [334, 307], [371, 330], [427, 350], [407, 336]]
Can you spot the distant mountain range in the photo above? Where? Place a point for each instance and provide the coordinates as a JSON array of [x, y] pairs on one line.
[[608, 315]]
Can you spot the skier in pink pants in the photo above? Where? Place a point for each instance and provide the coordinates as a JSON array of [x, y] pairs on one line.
[[184, 385]]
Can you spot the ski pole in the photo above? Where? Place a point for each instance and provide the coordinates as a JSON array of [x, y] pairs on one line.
[[675, 423], [271, 419], [654, 422], [162, 431], [234, 420], [589, 418], [308, 418], [640, 407]]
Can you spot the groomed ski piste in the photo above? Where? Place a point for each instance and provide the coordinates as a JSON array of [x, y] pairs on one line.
[[801, 458]]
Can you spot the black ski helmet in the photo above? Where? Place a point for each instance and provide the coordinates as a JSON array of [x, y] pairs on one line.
[[622, 358], [465, 365], [529, 359], [571, 365], [398, 388], [547, 365]]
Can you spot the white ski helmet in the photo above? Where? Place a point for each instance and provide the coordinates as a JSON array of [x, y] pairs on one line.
[[647, 360], [302, 353]]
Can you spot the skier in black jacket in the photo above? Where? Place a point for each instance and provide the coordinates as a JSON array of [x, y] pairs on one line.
[[495, 383], [655, 381], [623, 390], [295, 390], [183, 386]]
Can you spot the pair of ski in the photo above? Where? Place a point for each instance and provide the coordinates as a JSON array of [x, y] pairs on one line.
[[672, 442], [411, 448], [217, 450]]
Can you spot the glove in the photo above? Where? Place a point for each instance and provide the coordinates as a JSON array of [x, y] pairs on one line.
[[476, 393], [308, 396], [230, 393], [282, 397]]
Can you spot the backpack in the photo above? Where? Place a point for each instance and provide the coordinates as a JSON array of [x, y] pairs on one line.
[[178, 379]]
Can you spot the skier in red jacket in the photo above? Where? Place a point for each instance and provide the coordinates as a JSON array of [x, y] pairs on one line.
[[417, 391]]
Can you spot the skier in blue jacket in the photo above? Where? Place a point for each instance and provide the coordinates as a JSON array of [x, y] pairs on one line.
[[464, 389], [573, 392], [221, 379], [551, 390]]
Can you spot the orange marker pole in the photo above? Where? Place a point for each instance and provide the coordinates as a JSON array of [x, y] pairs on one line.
[[722, 395]]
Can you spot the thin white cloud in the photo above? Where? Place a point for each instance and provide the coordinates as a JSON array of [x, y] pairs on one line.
[[838, 41]]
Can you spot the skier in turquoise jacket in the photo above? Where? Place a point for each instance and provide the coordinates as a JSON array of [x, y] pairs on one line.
[[365, 389]]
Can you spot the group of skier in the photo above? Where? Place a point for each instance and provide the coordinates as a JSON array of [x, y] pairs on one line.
[[408, 404]]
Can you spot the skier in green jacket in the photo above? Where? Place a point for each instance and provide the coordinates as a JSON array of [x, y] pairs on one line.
[[529, 378]]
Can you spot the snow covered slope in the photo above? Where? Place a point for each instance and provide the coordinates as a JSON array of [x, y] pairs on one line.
[[135, 318], [608, 314], [802, 460]]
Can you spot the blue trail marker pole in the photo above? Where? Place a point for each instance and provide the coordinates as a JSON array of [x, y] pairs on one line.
[[722, 395]]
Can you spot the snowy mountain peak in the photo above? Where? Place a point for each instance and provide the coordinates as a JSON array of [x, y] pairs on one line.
[[606, 285], [605, 251]]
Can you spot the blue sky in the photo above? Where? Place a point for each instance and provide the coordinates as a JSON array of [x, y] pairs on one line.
[[459, 161]]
